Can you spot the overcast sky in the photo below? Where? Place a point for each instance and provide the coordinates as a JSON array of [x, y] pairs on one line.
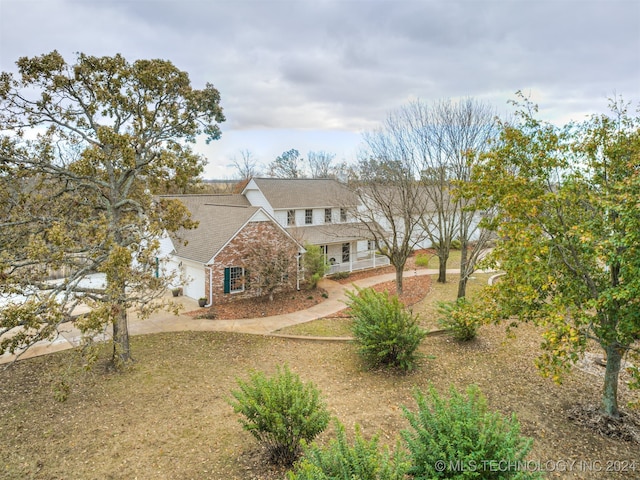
[[315, 74]]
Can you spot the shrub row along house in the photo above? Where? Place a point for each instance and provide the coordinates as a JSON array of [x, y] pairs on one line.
[[250, 244]]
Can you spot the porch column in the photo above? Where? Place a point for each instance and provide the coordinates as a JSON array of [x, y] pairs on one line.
[[350, 257]]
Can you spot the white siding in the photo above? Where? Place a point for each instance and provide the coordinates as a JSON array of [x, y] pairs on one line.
[[362, 246], [335, 252], [166, 246], [170, 268], [194, 286], [168, 264], [256, 198], [260, 217], [281, 217], [189, 275], [318, 216]]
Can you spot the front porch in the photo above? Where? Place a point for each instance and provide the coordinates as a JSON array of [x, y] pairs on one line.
[[362, 261], [347, 247]]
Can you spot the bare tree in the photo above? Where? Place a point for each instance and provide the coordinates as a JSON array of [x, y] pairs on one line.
[[391, 197], [447, 136], [271, 266], [321, 164], [247, 165]]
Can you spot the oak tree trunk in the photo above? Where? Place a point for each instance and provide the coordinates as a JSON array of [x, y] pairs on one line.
[[121, 354]]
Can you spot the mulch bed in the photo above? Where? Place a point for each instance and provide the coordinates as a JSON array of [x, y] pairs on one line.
[[261, 306], [626, 428], [414, 290]]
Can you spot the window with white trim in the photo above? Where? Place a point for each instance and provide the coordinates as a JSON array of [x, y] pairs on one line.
[[327, 215], [343, 215], [346, 252], [236, 279], [308, 216], [291, 217]]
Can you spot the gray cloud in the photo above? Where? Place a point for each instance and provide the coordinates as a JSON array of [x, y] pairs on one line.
[[343, 64]]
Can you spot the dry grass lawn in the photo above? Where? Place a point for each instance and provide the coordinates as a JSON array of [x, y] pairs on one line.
[[167, 417]]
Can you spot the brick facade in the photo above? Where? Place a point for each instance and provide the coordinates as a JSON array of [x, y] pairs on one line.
[[262, 235]]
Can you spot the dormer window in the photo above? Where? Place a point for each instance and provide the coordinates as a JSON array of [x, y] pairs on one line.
[[327, 215], [308, 217], [343, 215], [291, 217]]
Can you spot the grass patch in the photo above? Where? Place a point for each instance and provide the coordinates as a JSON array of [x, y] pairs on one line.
[[323, 327], [452, 262], [167, 416], [427, 308], [445, 292]]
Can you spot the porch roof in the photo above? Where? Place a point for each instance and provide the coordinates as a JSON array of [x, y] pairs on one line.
[[331, 233]]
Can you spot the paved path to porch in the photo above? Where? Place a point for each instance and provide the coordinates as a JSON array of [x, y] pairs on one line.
[[69, 336]]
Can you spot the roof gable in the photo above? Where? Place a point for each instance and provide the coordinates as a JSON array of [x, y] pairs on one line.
[[220, 219], [285, 193]]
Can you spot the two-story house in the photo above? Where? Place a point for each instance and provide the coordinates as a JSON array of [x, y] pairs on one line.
[[319, 212], [209, 260]]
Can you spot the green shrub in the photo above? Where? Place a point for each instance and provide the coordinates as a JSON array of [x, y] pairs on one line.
[[340, 275], [457, 437], [315, 264], [314, 280], [280, 412], [386, 334], [422, 259], [460, 319], [340, 461]]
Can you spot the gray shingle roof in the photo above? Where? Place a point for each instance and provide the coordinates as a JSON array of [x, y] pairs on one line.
[[331, 233], [220, 217], [305, 193]]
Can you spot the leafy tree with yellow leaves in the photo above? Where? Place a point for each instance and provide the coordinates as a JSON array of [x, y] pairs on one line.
[[569, 235]]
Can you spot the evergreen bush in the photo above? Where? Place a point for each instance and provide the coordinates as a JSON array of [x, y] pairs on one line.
[[280, 412], [315, 264], [339, 460], [460, 319], [386, 334], [458, 437], [422, 259]]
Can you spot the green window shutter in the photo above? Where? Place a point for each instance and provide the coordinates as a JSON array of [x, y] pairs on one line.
[[227, 280]]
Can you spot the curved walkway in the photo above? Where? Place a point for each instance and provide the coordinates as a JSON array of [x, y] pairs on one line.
[[69, 336]]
